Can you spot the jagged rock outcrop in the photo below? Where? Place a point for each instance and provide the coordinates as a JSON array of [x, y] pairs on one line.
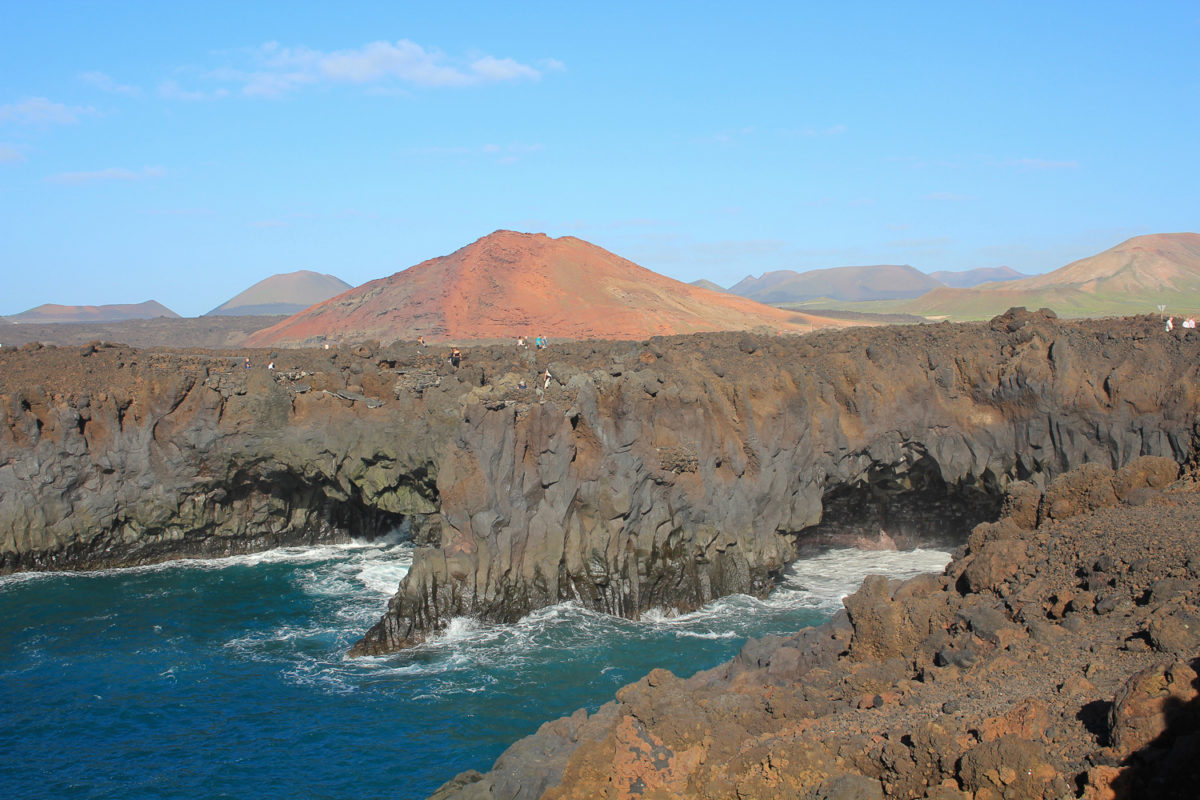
[[111, 456], [1049, 662], [648, 474], [697, 469]]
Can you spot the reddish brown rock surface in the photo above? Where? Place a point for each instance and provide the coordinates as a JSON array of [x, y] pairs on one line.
[[512, 284], [1045, 681]]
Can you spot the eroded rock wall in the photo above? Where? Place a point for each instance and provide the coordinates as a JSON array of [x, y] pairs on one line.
[[1051, 659], [647, 474], [696, 469], [116, 457]]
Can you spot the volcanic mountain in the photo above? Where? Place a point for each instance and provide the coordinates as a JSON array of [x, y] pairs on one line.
[[882, 282], [509, 284], [49, 312], [285, 293], [974, 277], [1132, 278]]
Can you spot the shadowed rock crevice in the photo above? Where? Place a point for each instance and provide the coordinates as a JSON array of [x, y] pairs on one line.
[[902, 506], [246, 514]]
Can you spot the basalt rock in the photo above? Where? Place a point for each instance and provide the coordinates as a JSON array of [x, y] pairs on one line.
[[930, 688], [112, 456], [690, 468], [662, 473]]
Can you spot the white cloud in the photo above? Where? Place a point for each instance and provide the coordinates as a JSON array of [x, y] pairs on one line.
[[106, 84], [502, 69], [171, 90], [273, 84], [381, 68], [10, 154], [41, 111], [280, 69], [110, 174]]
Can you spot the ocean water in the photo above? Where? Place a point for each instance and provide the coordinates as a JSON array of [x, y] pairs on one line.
[[227, 678]]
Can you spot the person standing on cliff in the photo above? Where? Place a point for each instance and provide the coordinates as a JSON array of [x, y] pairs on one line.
[[455, 357], [247, 362]]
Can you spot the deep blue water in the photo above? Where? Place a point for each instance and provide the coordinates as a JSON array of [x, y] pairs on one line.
[[227, 678]]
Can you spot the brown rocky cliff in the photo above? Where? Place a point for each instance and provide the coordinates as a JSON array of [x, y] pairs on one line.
[[699, 468], [111, 456], [657, 473], [1049, 662]]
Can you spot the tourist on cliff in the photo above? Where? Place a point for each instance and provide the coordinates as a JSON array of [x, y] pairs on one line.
[[455, 357], [247, 362]]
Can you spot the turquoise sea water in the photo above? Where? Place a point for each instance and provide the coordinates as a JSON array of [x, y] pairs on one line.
[[227, 678]]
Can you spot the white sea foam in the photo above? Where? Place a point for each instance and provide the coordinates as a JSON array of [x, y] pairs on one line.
[[816, 584], [384, 576], [823, 580], [349, 584], [303, 554]]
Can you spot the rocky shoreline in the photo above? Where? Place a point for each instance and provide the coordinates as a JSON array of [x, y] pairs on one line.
[[1055, 657], [641, 474]]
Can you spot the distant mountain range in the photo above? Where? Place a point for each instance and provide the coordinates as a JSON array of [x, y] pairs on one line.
[[883, 282], [509, 284], [1135, 277], [856, 284], [285, 293], [49, 312], [707, 284], [974, 277]]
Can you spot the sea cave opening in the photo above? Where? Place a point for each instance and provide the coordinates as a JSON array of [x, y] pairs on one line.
[[902, 506]]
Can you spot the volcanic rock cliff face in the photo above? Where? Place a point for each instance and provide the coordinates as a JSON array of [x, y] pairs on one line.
[[1056, 657], [111, 456], [698, 468], [641, 474]]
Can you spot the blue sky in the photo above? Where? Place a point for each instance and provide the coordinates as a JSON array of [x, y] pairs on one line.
[[182, 151]]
